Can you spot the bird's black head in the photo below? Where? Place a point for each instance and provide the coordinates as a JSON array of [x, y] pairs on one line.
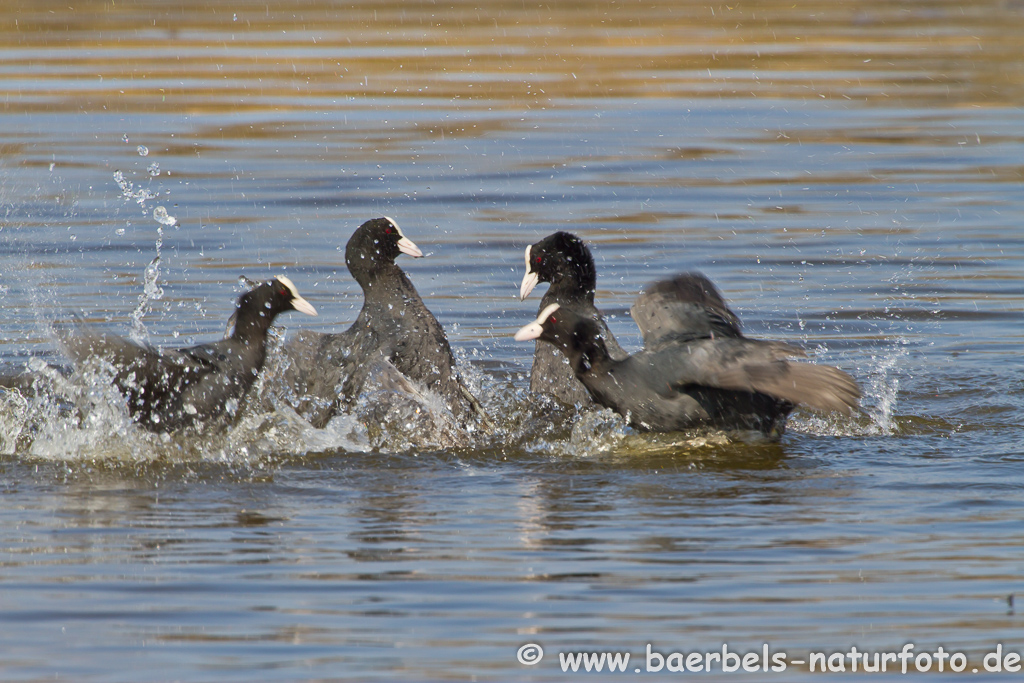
[[258, 307], [563, 260], [376, 244]]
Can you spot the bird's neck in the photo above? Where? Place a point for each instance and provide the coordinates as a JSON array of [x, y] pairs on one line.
[[251, 326], [383, 281], [570, 290]]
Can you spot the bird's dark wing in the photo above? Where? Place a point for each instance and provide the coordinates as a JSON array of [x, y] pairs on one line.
[[684, 308], [136, 366], [820, 387], [83, 342], [199, 359], [763, 367]]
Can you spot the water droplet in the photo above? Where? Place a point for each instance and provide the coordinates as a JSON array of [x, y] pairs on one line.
[[160, 216], [124, 137], [153, 170], [119, 232], [142, 150]]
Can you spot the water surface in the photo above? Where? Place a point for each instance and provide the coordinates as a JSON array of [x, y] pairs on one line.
[[849, 175]]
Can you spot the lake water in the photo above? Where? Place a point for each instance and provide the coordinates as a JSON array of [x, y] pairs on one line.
[[849, 174]]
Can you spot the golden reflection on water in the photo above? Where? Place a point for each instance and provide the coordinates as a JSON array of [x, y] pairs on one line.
[[191, 57]]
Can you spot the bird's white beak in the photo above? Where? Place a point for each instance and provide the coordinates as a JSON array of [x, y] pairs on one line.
[[406, 246], [536, 328], [530, 280], [298, 303], [303, 306], [528, 332]]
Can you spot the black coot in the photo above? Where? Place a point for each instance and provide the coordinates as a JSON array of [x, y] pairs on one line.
[[563, 260], [168, 389], [696, 368], [325, 371]]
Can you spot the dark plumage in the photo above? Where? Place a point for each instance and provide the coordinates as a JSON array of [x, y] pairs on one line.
[[325, 370], [563, 260], [168, 389], [697, 368]]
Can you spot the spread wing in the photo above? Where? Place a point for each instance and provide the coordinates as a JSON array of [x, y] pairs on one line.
[[685, 308], [763, 367], [83, 342], [135, 365], [820, 387]]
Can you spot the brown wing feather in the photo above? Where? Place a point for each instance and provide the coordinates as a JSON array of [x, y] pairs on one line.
[[820, 387]]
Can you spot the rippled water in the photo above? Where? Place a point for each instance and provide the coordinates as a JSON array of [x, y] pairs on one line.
[[849, 174]]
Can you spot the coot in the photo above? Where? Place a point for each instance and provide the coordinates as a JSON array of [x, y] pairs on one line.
[[168, 389], [563, 260], [324, 372], [696, 368]]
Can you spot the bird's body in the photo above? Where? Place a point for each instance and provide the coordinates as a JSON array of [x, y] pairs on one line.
[[167, 389], [325, 371], [697, 369]]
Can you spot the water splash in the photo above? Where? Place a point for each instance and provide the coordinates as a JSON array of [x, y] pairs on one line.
[[130, 193], [151, 291], [883, 387], [880, 393], [13, 417], [83, 417], [161, 216]]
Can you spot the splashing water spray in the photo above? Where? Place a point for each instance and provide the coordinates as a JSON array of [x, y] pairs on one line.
[[151, 290]]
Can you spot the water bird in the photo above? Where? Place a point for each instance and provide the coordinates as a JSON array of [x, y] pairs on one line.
[[168, 389], [696, 368], [563, 260], [327, 372]]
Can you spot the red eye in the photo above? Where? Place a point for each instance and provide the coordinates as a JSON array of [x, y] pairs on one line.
[[283, 291], [538, 259], [387, 231], [552, 320]]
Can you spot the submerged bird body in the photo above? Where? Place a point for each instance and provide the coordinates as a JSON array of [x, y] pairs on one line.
[[326, 370], [564, 261], [167, 389], [697, 369]]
